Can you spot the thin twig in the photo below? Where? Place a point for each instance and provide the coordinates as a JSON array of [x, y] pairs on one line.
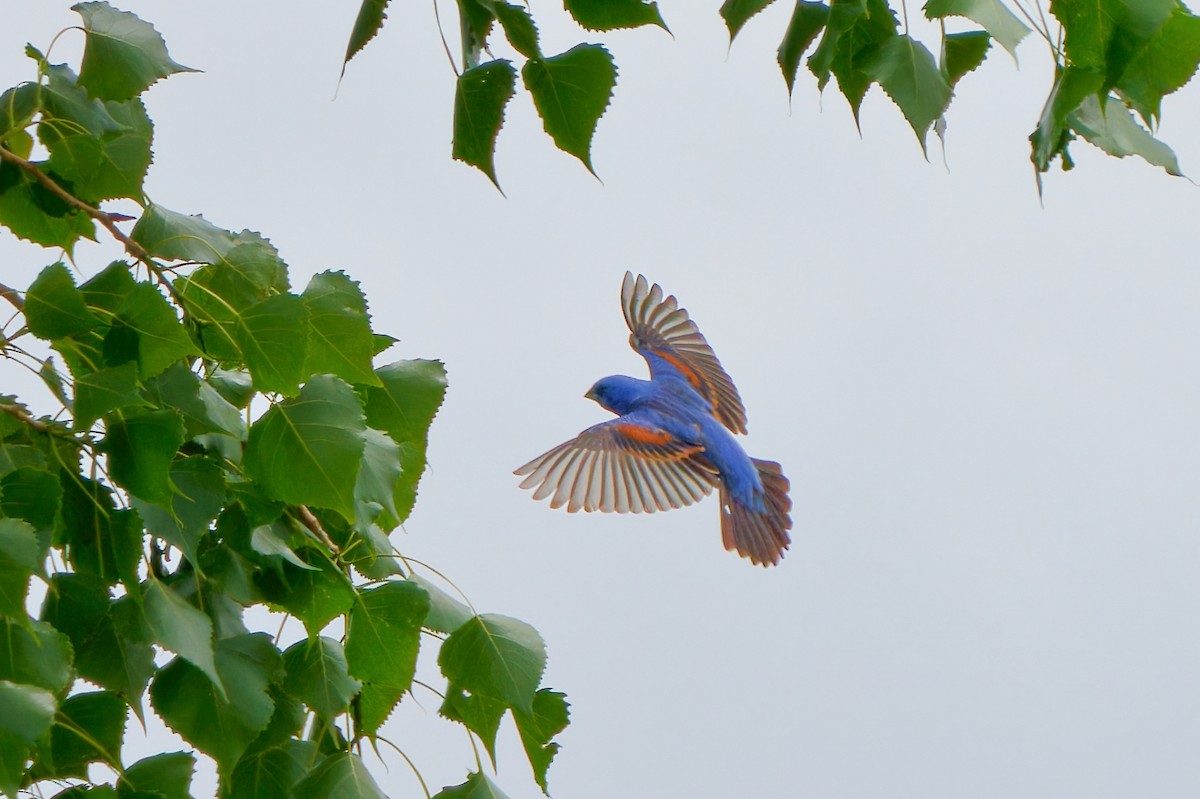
[[20, 413], [314, 525], [12, 296]]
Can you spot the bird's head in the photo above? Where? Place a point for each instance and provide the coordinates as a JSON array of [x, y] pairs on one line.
[[617, 393]]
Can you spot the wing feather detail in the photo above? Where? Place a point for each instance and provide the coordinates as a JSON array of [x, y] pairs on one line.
[[658, 326], [606, 469]]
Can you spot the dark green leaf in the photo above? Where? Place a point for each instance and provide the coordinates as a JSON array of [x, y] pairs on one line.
[[1050, 137], [272, 773], [341, 329], [607, 15], [306, 451], [807, 21], [446, 614], [478, 713], [317, 675], [54, 307], [991, 15], [199, 496], [479, 100], [203, 408], [179, 627], [550, 717], [99, 539], [140, 450], [737, 13], [53, 380], [962, 53], [313, 596], [342, 775], [519, 28], [370, 19], [25, 715], [496, 656], [123, 55], [31, 212], [34, 495], [571, 92], [1168, 62], [910, 76], [477, 786], [162, 339], [20, 558], [168, 775], [104, 390], [89, 729], [273, 337], [106, 291], [843, 16], [220, 726], [404, 407], [34, 653], [17, 107], [1114, 130]]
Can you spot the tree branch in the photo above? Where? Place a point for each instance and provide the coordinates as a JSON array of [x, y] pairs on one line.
[[12, 296]]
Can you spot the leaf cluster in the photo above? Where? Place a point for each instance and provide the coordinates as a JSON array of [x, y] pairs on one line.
[[1115, 60], [224, 441]]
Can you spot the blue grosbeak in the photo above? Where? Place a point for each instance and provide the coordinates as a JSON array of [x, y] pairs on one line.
[[672, 441]]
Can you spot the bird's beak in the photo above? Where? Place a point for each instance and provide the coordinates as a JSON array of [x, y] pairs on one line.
[[591, 394]]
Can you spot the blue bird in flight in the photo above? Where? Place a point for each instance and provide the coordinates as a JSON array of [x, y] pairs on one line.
[[672, 441]]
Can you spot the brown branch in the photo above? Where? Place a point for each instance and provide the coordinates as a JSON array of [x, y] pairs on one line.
[[314, 525], [104, 218], [12, 296]]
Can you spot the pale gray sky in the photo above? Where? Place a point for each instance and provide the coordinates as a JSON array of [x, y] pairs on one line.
[[989, 409]]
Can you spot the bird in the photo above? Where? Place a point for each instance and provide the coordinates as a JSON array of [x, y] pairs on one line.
[[673, 441]]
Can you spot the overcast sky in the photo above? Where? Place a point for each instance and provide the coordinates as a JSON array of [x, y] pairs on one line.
[[989, 409]]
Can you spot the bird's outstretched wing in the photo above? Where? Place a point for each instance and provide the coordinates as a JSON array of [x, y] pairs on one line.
[[625, 465], [664, 334]]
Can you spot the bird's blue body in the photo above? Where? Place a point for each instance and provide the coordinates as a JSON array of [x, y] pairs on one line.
[[672, 441]]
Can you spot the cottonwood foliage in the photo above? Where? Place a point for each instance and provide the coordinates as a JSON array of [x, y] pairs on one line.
[[1114, 61], [224, 440]]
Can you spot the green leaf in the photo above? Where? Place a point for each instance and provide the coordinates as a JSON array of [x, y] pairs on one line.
[[571, 92], [1166, 63], [53, 380], [222, 727], [54, 308], [273, 540], [991, 15], [737, 13], [404, 407], [34, 653], [100, 167], [842, 17], [479, 714], [89, 729], [808, 19], [317, 438], [235, 386], [98, 538], [105, 390], [203, 408], [140, 450], [31, 212], [520, 29], [179, 627], [169, 776], [1105, 35], [34, 495], [855, 32], [181, 237], [446, 614], [66, 105], [342, 775], [199, 496], [496, 656], [123, 55], [17, 107], [382, 642], [550, 717], [107, 290], [377, 478], [272, 773], [1114, 130], [607, 15], [480, 97], [25, 715], [963, 53], [161, 337], [477, 786], [371, 15], [20, 558], [1050, 137], [315, 596], [911, 77], [341, 329], [273, 337], [317, 675]]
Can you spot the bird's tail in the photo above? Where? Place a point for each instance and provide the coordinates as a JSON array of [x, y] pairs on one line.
[[761, 536]]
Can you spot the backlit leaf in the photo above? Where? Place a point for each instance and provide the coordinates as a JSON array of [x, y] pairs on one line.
[[272, 773], [478, 713], [123, 55], [161, 337], [571, 92], [520, 29], [1114, 130], [991, 15], [1167, 62], [315, 596]]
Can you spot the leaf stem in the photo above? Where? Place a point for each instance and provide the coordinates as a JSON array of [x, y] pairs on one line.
[[13, 297]]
